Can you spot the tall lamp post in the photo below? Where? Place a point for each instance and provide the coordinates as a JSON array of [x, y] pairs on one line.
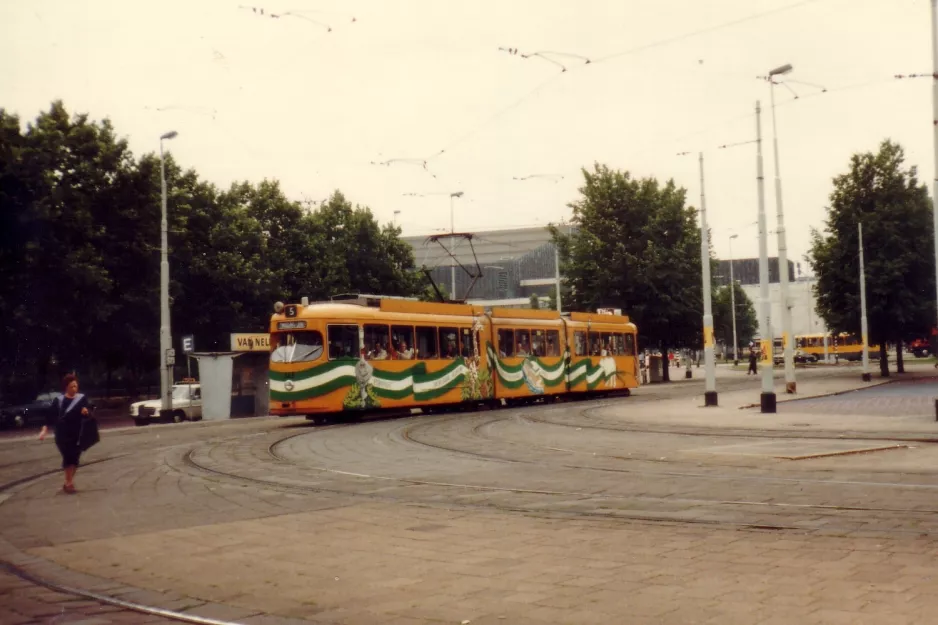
[[733, 303], [167, 357], [934, 104], [790, 383], [452, 230], [864, 327], [767, 399], [710, 386]]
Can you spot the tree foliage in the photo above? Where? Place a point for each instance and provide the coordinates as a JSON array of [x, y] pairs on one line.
[[885, 195], [746, 321], [635, 246], [80, 252]]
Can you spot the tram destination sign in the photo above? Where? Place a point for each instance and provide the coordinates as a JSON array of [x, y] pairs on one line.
[[291, 325]]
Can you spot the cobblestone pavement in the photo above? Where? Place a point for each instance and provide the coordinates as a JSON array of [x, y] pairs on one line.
[[641, 510]]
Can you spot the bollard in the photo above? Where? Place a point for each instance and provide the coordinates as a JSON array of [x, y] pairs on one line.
[[936, 409]]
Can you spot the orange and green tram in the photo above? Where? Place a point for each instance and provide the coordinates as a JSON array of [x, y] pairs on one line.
[[378, 353]]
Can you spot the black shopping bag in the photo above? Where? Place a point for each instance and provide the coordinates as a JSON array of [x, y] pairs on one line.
[[89, 436]]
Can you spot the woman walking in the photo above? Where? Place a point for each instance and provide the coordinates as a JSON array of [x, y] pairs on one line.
[[66, 417]]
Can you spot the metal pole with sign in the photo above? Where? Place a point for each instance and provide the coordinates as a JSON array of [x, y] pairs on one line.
[[188, 346]]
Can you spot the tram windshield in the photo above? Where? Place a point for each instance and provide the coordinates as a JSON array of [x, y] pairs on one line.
[[296, 346]]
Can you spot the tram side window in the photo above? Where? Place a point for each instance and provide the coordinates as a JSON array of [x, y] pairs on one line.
[[605, 344], [343, 342], [629, 344], [377, 341], [426, 344], [449, 347], [579, 343], [553, 343], [402, 342], [523, 342], [466, 345], [302, 346], [538, 343], [594, 343], [506, 342]]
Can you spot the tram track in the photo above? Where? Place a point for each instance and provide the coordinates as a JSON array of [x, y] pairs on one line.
[[828, 511], [408, 435]]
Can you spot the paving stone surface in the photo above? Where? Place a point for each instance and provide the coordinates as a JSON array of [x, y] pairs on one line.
[[641, 510]]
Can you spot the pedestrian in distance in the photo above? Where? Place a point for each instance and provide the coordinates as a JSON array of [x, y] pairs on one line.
[[752, 362], [74, 428]]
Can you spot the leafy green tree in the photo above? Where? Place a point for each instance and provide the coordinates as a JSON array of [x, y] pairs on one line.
[[886, 196], [534, 302], [355, 254], [746, 321], [80, 253], [635, 246], [65, 169]]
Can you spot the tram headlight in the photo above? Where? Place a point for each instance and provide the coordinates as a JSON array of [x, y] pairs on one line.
[[278, 307]]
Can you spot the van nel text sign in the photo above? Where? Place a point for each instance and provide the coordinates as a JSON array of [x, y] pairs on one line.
[[250, 342]]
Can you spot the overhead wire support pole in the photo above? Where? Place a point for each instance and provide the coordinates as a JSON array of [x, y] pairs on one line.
[[710, 387], [864, 330], [787, 339], [934, 100], [767, 398], [733, 304]]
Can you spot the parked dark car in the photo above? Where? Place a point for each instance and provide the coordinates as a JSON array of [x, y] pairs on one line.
[[31, 414], [799, 356]]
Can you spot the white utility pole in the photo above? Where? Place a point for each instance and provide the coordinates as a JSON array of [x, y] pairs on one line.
[[864, 330], [166, 338], [787, 339], [557, 276], [767, 399], [934, 104], [733, 303], [452, 230], [710, 387]]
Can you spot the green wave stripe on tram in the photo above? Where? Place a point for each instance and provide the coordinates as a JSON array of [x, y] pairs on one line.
[[512, 376], [385, 384], [312, 371], [593, 375], [314, 391]]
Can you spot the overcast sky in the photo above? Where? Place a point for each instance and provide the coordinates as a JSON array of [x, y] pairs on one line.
[[255, 97]]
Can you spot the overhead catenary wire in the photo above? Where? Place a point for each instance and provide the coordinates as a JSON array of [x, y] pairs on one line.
[[592, 62]]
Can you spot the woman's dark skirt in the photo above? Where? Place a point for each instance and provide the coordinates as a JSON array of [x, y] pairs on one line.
[[66, 439]]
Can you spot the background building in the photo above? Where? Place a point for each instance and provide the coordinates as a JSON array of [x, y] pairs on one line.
[[804, 319], [515, 264]]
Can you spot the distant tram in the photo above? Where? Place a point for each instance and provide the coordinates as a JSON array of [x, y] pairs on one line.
[[846, 346], [377, 353]]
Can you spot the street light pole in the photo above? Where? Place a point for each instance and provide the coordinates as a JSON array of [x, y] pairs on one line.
[[767, 399], [790, 383], [452, 230], [166, 340], [710, 387], [557, 277], [934, 103], [863, 322], [733, 303]]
